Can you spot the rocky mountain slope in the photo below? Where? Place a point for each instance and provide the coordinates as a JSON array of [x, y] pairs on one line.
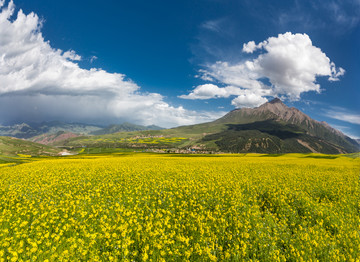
[[271, 136], [276, 110]]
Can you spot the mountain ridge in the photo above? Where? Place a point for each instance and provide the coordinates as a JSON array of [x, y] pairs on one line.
[[124, 127], [270, 128], [33, 130], [278, 111]]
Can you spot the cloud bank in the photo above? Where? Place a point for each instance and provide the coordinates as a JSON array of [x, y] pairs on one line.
[[40, 83], [285, 66]]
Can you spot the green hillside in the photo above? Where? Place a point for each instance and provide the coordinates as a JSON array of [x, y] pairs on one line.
[[12, 147], [124, 127], [269, 137], [180, 137]]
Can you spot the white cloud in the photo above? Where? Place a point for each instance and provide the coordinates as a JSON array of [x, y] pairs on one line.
[[244, 98], [71, 55], [209, 91], [41, 83], [343, 115], [289, 62], [212, 25], [250, 47], [93, 58], [335, 72], [248, 100]]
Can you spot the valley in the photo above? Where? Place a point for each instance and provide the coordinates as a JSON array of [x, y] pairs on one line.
[[271, 128]]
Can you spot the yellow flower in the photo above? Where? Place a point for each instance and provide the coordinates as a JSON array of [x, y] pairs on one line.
[[145, 256]]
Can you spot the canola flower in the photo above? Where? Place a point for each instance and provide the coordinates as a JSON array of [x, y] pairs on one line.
[[148, 207]]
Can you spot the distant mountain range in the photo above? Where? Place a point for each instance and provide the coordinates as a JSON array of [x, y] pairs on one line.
[[124, 127], [270, 128], [27, 130]]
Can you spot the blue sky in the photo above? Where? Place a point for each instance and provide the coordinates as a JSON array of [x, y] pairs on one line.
[[178, 62]]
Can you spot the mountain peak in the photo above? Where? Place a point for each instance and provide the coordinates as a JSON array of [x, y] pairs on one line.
[[275, 101], [275, 106]]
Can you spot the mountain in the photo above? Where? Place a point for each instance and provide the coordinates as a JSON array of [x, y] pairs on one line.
[[39, 131], [270, 128], [51, 139], [27, 130], [277, 111], [271, 136], [124, 127], [77, 128], [10, 146], [18, 130]]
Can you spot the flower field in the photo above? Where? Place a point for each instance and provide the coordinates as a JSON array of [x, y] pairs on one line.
[[158, 207]]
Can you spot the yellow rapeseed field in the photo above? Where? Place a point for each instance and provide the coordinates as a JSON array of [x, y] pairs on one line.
[[148, 207]]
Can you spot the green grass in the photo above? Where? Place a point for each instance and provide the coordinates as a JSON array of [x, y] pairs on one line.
[[12, 147], [353, 155]]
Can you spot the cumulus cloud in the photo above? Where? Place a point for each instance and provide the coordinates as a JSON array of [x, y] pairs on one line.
[[244, 98], [248, 100], [39, 82], [208, 91], [287, 66], [250, 47]]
